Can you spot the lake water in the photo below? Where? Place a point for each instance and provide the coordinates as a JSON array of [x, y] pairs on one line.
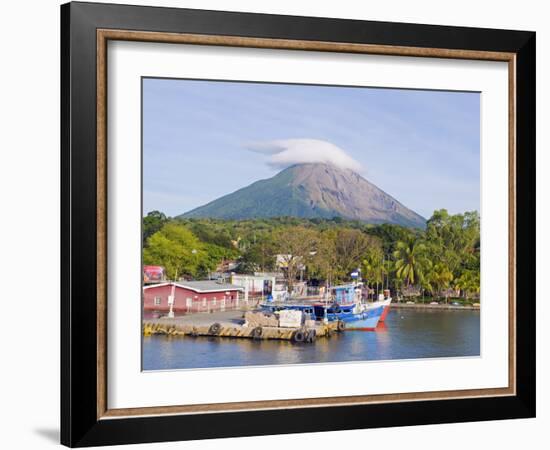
[[406, 334]]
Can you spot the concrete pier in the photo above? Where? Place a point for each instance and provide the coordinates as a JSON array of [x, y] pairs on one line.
[[229, 324]]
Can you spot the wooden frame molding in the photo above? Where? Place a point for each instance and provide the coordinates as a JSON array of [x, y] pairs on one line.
[[103, 36]]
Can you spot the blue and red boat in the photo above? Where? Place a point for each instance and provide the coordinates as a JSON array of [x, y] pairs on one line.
[[355, 316], [368, 316], [350, 293]]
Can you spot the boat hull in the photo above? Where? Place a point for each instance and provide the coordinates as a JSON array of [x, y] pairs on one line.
[[368, 320], [387, 303], [368, 324]]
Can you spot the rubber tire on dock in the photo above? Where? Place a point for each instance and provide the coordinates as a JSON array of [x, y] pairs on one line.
[[215, 329], [311, 336], [299, 336], [257, 333], [341, 325]]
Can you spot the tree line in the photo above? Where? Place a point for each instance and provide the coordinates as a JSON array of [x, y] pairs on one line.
[[433, 261]]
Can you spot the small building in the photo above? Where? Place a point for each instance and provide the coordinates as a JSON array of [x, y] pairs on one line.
[[254, 285], [279, 291], [192, 296]]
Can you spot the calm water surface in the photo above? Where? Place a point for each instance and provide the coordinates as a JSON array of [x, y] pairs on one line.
[[406, 334]]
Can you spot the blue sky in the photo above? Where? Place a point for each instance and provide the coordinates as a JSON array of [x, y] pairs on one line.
[[421, 147]]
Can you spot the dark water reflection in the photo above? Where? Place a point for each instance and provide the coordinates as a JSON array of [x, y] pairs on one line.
[[406, 334]]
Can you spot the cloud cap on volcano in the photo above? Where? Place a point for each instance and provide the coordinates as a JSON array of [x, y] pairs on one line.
[[287, 152]]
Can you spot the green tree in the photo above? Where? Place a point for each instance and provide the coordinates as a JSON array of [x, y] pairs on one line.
[[211, 231], [351, 247], [258, 256], [214, 255], [453, 239], [411, 262], [373, 269], [164, 252], [323, 264], [468, 283], [296, 246], [177, 249], [390, 234], [152, 223], [439, 278]]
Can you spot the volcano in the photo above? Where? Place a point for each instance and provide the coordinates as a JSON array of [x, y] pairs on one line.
[[311, 190]]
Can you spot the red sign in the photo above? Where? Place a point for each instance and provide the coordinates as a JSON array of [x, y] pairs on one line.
[[153, 274]]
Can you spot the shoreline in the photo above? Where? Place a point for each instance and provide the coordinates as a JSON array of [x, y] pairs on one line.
[[428, 306]]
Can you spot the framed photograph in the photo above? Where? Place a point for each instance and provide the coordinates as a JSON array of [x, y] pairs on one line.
[[276, 224]]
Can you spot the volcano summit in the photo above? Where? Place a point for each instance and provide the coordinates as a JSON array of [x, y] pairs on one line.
[[311, 190]]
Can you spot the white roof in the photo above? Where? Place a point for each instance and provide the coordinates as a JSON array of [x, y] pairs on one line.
[[200, 286]]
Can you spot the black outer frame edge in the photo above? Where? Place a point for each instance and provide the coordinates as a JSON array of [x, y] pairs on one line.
[[303, 420], [78, 257], [79, 426], [526, 223], [65, 227], [178, 20]]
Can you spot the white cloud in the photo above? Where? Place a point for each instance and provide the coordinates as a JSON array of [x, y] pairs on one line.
[[284, 153]]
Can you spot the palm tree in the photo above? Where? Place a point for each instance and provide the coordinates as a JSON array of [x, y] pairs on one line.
[[372, 267], [411, 262], [468, 283], [440, 278]]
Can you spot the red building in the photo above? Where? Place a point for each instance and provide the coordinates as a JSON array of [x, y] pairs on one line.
[[192, 296]]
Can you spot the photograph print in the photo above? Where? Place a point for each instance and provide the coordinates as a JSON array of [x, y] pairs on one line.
[[308, 224]]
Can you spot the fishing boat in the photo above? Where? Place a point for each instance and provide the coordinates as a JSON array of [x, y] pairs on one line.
[[350, 293], [353, 316]]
